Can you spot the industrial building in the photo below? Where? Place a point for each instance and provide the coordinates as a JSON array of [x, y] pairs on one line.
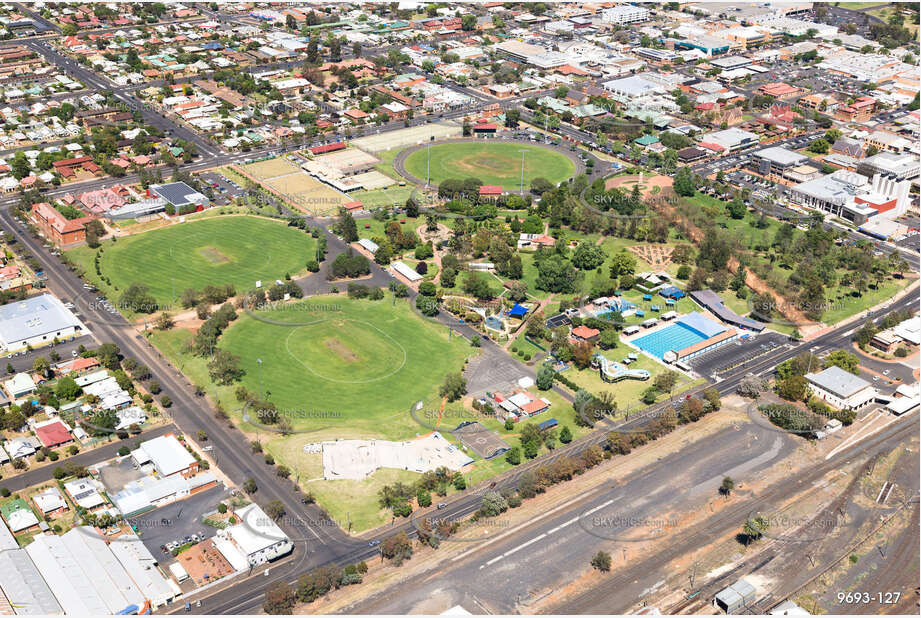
[[853, 196], [840, 388], [36, 321]]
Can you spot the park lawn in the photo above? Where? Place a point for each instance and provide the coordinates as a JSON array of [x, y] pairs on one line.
[[387, 197], [370, 227], [237, 250], [843, 304], [733, 302], [529, 275], [526, 347], [493, 163], [361, 363], [854, 6], [626, 392], [386, 163]]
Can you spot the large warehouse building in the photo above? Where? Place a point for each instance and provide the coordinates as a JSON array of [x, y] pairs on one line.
[[35, 322]]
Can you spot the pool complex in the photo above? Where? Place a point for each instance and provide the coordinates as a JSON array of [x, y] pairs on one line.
[[679, 335]]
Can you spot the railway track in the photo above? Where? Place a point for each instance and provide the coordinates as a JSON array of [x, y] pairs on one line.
[[590, 600]]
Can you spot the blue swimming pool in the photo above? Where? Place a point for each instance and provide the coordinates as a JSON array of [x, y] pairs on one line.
[[675, 337]]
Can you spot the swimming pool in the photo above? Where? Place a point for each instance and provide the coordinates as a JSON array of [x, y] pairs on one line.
[[674, 337]]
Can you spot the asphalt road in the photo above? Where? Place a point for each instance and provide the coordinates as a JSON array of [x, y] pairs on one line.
[[500, 576]]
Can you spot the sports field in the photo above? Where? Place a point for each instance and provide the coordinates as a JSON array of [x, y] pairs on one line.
[[346, 368], [239, 250], [494, 163]]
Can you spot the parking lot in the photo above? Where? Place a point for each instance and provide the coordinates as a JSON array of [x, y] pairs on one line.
[[738, 353], [225, 190], [178, 520]]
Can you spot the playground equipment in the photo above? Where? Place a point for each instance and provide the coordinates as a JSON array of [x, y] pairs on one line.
[[615, 372]]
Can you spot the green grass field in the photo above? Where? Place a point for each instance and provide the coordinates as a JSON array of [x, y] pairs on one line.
[[355, 371], [493, 163], [216, 251]]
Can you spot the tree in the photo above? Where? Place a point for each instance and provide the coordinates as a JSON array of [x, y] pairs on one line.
[[565, 435], [602, 561], [468, 22], [398, 548], [545, 377], [454, 387], [108, 354], [754, 528], [225, 368], [727, 486], [275, 510], [513, 456], [820, 146], [279, 598], [588, 256], [493, 504], [137, 298], [348, 229], [683, 183], [793, 388], [843, 359], [41, 366], [250, 486], [622, 263], [666, 381], [67, 389], [555, 274]]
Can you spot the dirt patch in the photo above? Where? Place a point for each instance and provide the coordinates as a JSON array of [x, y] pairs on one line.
[[340, 349], [626, 183], [213, 255], [657, 256], [204, 563]]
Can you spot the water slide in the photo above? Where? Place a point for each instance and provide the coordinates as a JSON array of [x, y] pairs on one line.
[[614, 372]]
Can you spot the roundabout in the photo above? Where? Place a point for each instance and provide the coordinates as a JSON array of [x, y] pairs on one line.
[[492, 162]]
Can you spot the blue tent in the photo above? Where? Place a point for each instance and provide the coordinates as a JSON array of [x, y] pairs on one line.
[[647, 296], [640, 313], [517, 311], [670, 302], [671, 292], [654, 307]]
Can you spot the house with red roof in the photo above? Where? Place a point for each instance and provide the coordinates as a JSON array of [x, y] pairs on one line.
[[584, 333], [53, 434], [490, 191]]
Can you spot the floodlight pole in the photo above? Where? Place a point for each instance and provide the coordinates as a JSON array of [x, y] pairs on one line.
[[259, 362], [521, 188]]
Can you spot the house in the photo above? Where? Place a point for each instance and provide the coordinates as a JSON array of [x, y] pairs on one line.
[[533, 241], [19, 517], [53, 433], [50, 502], [85, 494], [167, 456], [19, 385], [584, 333], [20, 448], [841, 389]]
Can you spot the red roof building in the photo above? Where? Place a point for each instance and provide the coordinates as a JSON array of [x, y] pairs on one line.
[[328, 148], [53, 434], [584, 333], [490, 190], [58, 228]]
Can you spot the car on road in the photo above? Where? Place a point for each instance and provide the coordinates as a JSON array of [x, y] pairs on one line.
[[374, 543]]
